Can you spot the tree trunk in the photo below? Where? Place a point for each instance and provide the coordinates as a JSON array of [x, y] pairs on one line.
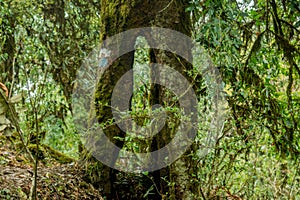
[[173, 17], [7, 67], [118, 16]]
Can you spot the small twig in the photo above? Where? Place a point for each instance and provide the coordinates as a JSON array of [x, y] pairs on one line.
[[36, 110], [155, 185], [202, 194], [166, 6]]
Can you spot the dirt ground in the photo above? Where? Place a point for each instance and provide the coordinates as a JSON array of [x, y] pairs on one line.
[[55, 181]]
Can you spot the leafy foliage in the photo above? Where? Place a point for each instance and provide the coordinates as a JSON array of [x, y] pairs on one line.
[[256, 46], [43, 45]]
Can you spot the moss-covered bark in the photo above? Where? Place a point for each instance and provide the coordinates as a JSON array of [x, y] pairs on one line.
[[118, 16], [173, 17]]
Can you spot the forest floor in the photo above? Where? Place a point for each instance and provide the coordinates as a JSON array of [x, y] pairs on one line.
[[55, 180]]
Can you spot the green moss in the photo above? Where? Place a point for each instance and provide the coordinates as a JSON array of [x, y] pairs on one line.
[[46, 151], [124, 10]]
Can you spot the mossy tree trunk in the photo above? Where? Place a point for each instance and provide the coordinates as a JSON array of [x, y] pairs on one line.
[[118, 16], [8, 48], [177, 176]]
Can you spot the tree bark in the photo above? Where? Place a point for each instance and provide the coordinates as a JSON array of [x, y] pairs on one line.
[[118, 16]]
